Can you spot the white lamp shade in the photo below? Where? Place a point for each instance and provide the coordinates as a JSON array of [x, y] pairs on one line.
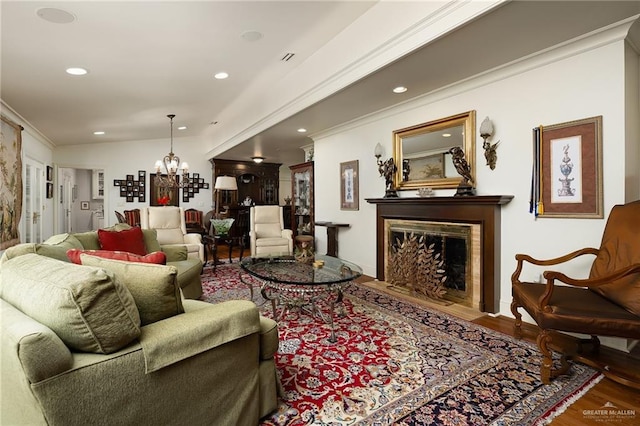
[[227, 183], [185, 166], [378, 150], [486, 128]]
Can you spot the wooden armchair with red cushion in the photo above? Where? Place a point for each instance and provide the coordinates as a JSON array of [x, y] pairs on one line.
[[193, 222], [607, 303]]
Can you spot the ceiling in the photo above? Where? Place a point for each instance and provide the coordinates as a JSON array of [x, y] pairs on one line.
[[149, 59]]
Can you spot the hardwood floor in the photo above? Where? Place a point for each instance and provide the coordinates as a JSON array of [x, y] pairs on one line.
[[617, 404]]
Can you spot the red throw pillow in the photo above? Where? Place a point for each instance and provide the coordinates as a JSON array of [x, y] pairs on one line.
[[130, 240], [157, 257]]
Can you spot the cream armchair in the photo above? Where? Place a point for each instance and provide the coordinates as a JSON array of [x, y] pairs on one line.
[[267, 233], [170, 225]]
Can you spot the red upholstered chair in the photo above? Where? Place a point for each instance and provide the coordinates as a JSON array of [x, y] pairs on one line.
[[605, 304], [132, 217], [120, 217], [193, 222]]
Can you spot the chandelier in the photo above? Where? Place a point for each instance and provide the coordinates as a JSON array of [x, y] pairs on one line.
[[167, 178]]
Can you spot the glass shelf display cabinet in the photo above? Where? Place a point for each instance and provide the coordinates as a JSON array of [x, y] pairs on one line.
[[302, 222]]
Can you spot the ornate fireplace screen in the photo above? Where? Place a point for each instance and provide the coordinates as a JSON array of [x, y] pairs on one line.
[[434, 260]]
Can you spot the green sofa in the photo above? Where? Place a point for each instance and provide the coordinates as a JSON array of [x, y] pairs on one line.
[[75, 349], [189, 268]]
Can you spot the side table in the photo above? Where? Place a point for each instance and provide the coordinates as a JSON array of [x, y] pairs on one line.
[[332, 236], [211, 243]]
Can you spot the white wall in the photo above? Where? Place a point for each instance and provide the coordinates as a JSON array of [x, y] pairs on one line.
[[576, 81], [121, 159]]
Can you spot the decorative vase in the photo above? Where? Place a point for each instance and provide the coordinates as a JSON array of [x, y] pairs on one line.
[[222, 226]]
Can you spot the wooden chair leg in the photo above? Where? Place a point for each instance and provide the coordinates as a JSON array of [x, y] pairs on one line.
[[547, 372], [517, 325]]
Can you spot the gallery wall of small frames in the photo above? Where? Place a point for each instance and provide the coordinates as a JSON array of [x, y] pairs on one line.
[[133, 189], [196, 183]]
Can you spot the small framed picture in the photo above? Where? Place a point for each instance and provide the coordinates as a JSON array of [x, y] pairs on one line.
[[49, 173], [349, 198], [50, 190], [567, 179], [84, 205], [116, 182], [205, 186]]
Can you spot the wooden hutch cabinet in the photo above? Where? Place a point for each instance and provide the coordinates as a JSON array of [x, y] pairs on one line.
[[302, 220], [260, 182]]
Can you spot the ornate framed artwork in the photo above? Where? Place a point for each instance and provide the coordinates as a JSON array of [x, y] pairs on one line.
[[10, 181], [163, 196], [567, 179], [349, 196]]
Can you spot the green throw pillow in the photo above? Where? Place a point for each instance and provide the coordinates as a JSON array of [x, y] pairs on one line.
[[86, 307], [89, 240], [150, 237], [154, 287], [175, 253]]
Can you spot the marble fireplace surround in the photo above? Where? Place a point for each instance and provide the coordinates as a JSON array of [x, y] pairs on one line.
[[483, 210]]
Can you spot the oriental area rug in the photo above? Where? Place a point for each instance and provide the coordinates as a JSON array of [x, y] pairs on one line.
[[396, 363]]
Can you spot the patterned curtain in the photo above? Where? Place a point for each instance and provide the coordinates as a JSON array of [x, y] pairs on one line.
[[10, 182]]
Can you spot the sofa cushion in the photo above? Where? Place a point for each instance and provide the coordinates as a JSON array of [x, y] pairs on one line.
[[170, 236], [41, 351], [52, 251], [150, 237], [66, 240], [175, 253], [130, 240], [268, 230], [154, 288], [268, 338], [89, 240], [86, 307], [58, 244], [158, 257]]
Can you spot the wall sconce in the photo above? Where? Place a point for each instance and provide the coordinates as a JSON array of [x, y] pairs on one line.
[[486, 130], [257, 159], [386, 169]]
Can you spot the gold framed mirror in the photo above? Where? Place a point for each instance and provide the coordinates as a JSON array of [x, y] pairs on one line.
[[421, 152]]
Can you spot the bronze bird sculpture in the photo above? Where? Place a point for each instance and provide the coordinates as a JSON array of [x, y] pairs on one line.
[[461, 165]]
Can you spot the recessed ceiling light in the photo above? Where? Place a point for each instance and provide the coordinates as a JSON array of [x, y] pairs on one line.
[[99, 132], [76, 71], [56, 16], [302, 130], [446, 135], [399, 89], [221, 75], [182, 128], [251, 35]]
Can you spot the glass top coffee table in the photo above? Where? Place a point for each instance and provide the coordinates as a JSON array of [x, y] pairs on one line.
[[291, 284]]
